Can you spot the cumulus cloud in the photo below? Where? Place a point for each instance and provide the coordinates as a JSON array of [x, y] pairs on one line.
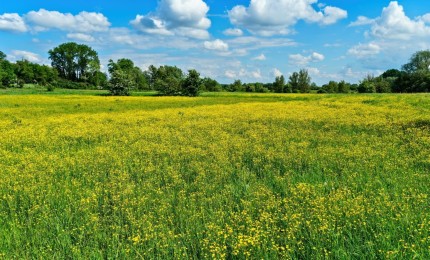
[[83, 22], [233, 32], [81, 37], [43, 20], [260, 57], [365, 50], [276, 72], [12, 22], [362, 20], [300, 60], [270, 17], [176, 17], [243, 73], [217, 45], [26, 55], [394, 24]]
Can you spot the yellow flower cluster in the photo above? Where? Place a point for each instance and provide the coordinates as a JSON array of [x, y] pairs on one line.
[[238, 176]]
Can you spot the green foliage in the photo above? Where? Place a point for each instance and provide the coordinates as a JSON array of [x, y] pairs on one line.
[[7, 75], [236, 86], [279, 84], [134, 73], [191, 84], [367, 85], [211, 85], [419, 62], [300, 82], [120, 83], [168, 80], [74, 62]]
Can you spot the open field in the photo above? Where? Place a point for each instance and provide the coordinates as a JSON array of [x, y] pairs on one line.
[[220, 176]]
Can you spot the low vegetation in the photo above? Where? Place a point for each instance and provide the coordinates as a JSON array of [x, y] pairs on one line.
[[225, 175]]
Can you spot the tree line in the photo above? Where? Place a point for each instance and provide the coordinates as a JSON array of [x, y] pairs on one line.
[[77, 66]]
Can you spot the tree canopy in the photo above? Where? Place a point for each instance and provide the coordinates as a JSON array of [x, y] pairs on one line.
[[75, 62]]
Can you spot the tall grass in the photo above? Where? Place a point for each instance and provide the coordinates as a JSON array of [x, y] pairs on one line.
[[220, 176]]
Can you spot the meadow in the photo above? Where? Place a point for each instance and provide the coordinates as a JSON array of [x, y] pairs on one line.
[[221, 176]]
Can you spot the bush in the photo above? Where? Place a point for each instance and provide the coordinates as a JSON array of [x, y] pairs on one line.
[[120, 83]]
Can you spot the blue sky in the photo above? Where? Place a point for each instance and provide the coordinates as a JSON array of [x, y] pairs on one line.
[[226, 40]]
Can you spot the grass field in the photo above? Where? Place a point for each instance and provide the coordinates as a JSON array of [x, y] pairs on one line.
[[237, 176]]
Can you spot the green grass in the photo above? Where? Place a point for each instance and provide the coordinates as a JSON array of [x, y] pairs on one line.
[[223, 175]]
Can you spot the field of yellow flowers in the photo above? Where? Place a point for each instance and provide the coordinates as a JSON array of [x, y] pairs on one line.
[[235, 176]]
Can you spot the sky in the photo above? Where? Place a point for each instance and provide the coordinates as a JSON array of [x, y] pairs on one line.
[[250, 40]]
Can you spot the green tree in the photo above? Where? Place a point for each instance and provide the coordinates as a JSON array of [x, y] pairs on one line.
[[367, 85], [7, 75], [304, 81], [75, 62], [236, 86], [279, 84], [419, 62], [168, 80], [135, 73], [343, 87], [191, 84], [211, 85], [293, 81], [120, 83], [330, 87]]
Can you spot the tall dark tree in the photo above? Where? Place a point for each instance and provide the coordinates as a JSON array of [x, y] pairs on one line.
[[279, 84], [7, 75], [191, 84], [75, 62], [304, 81], [168, 80], [293, 81], [419, 62], [127, 66]]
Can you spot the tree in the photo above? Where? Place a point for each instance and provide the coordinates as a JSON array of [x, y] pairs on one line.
[[191, 84], [236, 86], [75, 62], [331, 87], [2, 56], [120, 83], [7, 75], [343, 87], [135, 73], [304, 81], [211, 85], [367, 85], [419, 62], [168, 80], [279, 84], [293, 81]]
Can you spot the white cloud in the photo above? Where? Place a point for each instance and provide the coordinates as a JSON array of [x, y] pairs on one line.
[[365, 50], [394, 24], [243, 74], [362, 20], [276, 72], [83, 22], [217, 45], [176, 17], [270, 17], [230, 74], [300, 60], [260, 57], [12, 22], [26, 55], [81, 37], [233, 32], [256, 74]]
